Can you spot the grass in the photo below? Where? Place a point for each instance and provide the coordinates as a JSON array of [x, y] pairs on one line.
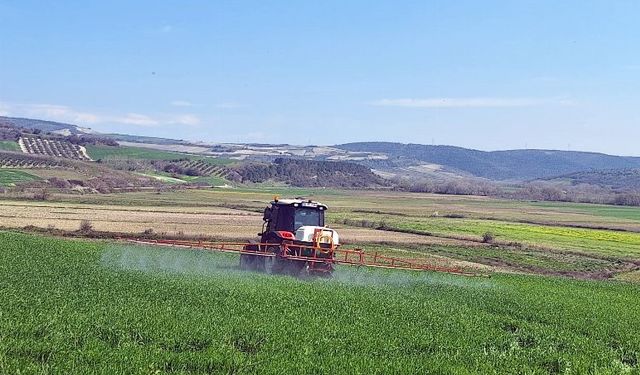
[[164, 178], [68, 174], [183, 179], [92, 307], [11, 177], [123, 152], [9, 146], [127, 152], [622, 212], [209, 180]]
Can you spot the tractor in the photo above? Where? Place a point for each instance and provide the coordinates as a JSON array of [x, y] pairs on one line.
[[294, 235]]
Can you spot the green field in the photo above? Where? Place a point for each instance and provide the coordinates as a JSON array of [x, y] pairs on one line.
[[181, 179], [109, 152], [126, 152], [209, 180], [596, 209], [9, 146], [11, 177], [96, 307]]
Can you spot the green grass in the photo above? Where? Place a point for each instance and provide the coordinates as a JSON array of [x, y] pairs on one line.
[[122, 152], [209, 180], [164, 178], [9, 146], [126, 152], [621, 212], [92, 307], [12, 177]]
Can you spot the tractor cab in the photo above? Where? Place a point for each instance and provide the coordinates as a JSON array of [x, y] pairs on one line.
[[300, 220], [291, 214]]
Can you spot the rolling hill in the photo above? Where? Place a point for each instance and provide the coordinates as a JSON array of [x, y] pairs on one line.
[[618, 179], [495, 165], [43, 125], [387, 159]]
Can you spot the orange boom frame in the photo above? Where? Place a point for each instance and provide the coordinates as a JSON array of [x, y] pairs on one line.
[[319, 260]]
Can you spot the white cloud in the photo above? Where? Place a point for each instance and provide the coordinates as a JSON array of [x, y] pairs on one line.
[[62, 113], [469, 102], [228, 105], [4, 110], [137, 119], [51, 112], [181, 103], [187, 119]]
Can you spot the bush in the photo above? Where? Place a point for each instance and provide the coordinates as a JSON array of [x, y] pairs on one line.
[[59, 183], [86, 226], [488, 237], [454, 216], [41, 195]]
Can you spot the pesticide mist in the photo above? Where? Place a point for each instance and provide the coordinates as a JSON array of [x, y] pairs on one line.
[[154, 259], [174, 261]]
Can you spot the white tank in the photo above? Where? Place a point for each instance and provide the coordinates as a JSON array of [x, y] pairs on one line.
[[310, 233]]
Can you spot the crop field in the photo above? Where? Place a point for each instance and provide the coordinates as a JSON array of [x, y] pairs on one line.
[[77, 306], [19, 160], [53, 147], [11, 177], [9, 146], [110, 152], [129, 152]]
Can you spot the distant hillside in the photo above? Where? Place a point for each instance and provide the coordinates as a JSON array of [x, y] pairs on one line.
[[617, 179], [496, 165], [71, 129], [410, 162], [311, 173], [42, 125]]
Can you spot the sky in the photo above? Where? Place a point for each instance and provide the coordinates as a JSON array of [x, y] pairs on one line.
[[489, 75]]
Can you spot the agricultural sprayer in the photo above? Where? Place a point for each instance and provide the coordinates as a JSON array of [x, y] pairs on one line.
[[295, 241]]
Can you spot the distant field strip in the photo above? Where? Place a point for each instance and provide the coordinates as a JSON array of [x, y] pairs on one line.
[[213, 221], [111, 152], [9, 146], [605, 242], [11, 177]]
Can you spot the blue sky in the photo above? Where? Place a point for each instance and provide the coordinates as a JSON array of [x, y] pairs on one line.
[[481, 74]]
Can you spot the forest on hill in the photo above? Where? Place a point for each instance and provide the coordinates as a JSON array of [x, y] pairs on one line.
[[311, 173]]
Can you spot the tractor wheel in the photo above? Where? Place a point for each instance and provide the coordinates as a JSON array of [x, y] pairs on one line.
[[275, 265], [295, 267], [247, 261]]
